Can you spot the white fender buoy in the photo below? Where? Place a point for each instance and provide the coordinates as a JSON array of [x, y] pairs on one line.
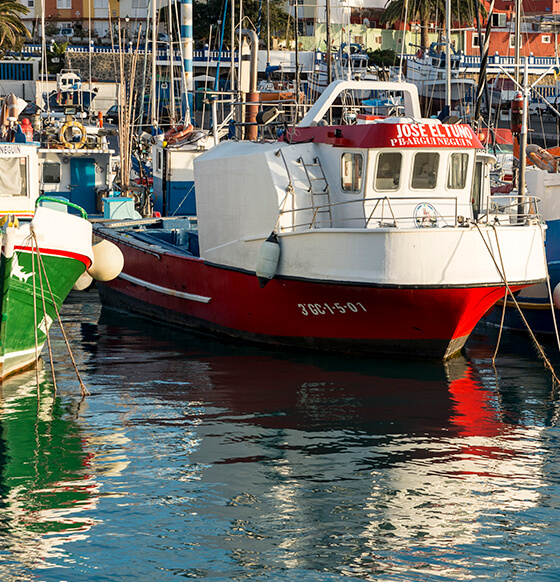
[[83, 282], [556, 296], [267, 261], [108, 261]]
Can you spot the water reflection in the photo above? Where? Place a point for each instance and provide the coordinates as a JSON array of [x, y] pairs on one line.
[[337, 465], [215, 459], [45, 486]]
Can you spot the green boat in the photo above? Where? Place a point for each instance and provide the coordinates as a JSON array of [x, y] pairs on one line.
[[45, 250]]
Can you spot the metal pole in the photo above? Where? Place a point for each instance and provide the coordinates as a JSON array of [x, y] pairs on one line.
[[523, 134]]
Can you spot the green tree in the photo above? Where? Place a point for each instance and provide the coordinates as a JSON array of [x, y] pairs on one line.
[[426, 11], [56, 57], [209, 13], [12, 30]]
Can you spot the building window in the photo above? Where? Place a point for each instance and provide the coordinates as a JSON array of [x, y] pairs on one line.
[[139, 3], [64, 4], [30, 3], [475, 40], [499, 20], [546, 38], [101, 3], [512, 41]]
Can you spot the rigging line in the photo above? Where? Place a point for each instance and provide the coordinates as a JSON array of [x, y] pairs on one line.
[[45, 314], [83, 388], [540, 350]]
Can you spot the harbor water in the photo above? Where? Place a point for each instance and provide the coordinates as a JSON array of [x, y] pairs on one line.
[[196, 458]]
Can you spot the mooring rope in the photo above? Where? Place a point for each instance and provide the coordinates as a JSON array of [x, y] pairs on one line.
[[45, 315], [42, 267], [540, 350], [35, 323]]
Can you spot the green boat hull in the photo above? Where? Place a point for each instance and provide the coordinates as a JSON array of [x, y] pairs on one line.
[[30, 305]]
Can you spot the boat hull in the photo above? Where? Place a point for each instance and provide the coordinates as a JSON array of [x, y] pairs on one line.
[[403, 321]]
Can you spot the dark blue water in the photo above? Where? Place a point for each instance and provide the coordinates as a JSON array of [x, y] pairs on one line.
[[195, 458]]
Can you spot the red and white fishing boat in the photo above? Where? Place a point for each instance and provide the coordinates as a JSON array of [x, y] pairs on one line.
[[378, 237]]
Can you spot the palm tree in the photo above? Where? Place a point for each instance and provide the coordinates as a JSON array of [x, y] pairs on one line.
[[424, 11], [12, 29]]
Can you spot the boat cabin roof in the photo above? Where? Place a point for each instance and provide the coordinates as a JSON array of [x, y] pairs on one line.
[[388, 133]]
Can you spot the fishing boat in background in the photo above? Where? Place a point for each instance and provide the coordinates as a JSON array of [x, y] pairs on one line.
[[540, 303], [376, 237], [427, 70], [349, 63]]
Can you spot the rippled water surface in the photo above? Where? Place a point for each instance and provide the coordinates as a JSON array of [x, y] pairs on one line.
[[196, 458]]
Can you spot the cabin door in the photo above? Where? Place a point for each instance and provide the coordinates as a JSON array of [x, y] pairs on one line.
[[82, 183]]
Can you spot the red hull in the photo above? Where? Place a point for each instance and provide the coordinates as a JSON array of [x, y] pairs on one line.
[[424, 322]]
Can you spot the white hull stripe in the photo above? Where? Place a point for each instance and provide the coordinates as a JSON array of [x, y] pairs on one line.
[[164, 290], [19, 354]]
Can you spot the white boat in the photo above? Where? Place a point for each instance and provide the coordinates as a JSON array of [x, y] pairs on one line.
[[377, 237], [350, 63], [427, 70]]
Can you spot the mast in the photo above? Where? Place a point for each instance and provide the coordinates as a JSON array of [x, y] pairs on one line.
[[171, 62], [296, 38], [267, 34], [187, 45], [517, 40], [328, 19], [448, 56], [154, 54]]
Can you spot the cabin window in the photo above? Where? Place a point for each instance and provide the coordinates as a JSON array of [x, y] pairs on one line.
[[425, 170], [476, 195], [388, 171], [351, 172], [13, 177], [51, 173], [457, 177]]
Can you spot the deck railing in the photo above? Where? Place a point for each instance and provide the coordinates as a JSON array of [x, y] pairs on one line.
[[385, 212]]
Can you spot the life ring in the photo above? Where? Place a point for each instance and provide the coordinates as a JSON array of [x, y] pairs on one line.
[[541, 158], [72, 144], [178, 134], [419, 53]]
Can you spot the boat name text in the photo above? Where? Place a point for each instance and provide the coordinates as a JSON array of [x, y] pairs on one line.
[[10, 149], [326, 309], [409, 134]]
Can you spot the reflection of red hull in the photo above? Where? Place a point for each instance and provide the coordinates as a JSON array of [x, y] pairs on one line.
[[187, 291]]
